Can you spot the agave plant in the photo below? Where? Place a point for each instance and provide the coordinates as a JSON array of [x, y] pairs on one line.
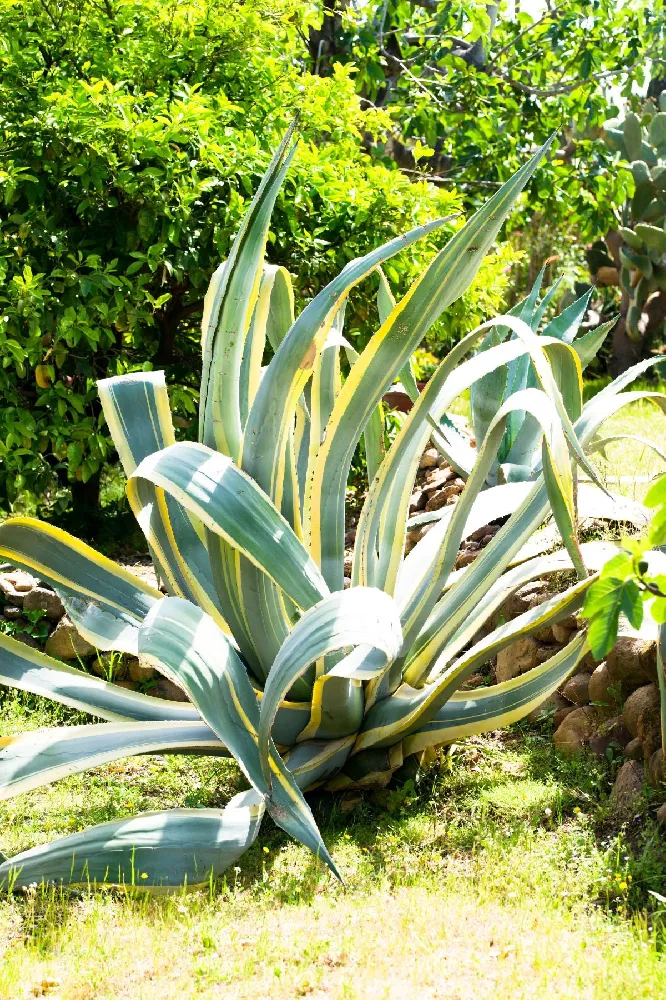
[[302, 681], [519, 454]]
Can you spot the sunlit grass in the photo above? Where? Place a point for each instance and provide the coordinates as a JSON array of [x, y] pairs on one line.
[[498, 871]]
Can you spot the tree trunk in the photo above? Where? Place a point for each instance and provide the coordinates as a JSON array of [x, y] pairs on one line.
[[323, 42], [85, 512]]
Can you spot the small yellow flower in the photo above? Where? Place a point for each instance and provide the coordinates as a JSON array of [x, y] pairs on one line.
[[629, 878], [623, 886], [144, 874], [266, 851], [576, 810]]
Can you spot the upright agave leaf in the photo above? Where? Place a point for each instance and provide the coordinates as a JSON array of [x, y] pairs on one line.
[[303, 680]]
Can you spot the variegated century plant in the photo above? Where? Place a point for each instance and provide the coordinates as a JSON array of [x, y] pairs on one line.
[[302, 681]]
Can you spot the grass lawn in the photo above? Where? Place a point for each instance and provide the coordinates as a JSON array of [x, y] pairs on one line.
[[500, 871]]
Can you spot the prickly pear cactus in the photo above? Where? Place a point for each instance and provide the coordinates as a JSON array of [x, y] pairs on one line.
[[642, 140]]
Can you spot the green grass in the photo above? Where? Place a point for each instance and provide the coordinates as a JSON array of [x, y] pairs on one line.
[[498, 870]]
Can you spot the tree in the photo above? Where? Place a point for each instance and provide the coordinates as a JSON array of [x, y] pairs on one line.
[[133, 134], [474, 86]]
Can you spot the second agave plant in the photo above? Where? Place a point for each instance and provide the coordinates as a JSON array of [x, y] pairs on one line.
[[302, 681]]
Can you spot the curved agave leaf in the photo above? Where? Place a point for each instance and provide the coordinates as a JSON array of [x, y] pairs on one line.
[[38, 758], [74, 568], [167, 850], [601, 443], [420, 662], [389, 350], [136, 409], [30, 670], [410, 708], [415, 612], [359, 617], [468, 713], [228, 313], [380, 533], [230, 504], [156, 850], [195, 653], [269, 420]]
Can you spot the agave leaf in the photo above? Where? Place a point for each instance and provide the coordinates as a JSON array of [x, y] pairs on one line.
[[195, 653], [30, 670], [443, 282], [38, 758], [381, 530], [468, 713], [136, 409], [385, 306], [359, 617], [565, 326], [269, 419], [409, 708], [156, 850], [228, 313], [602, 443], [230, 504], [415, 612], [438, 636], [107, 603]]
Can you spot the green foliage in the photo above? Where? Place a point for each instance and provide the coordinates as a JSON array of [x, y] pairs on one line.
[[133, 135], [630, 581], [472, 84], [273, 645]]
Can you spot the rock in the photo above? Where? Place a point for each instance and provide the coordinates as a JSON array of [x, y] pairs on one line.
[[576, 689], [349, 558], [575, 731], [550, 707], [140, 670], [26, 639], [465, 558], [483, 532], [11, 613], [628, 787], [632, 661], [434, 478], [612, 733], [516, 659], [634, 750], [657, 768], [16, 585], [545, 652], [65, 643], [561, 715], [441, 497], [561, 634], [415, 535], [417, 501], [125, 684], [661, 815], [525, 598], [473, 681], [545, 634], [600, 687], [41, 599], [429, 459], [347, 582], [164, 688], [642, 717], [350, 538]]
